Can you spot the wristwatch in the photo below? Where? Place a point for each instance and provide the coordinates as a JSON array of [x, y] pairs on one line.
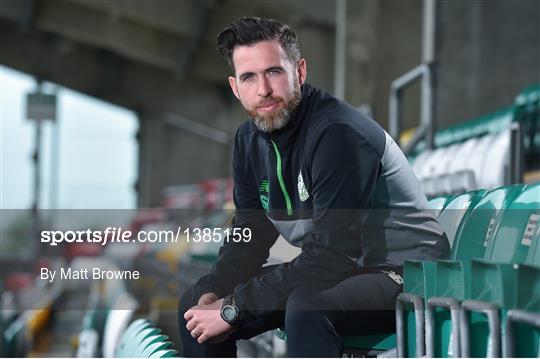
[[229, 310]]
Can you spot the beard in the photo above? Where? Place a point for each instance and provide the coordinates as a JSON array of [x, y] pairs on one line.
[[279, 118]]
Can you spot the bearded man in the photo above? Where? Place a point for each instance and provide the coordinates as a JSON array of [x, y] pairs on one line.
[[328, 179]]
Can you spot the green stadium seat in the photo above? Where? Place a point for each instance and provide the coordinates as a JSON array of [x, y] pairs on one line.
[[142, 340], [410, 295], [451, 278], [150, 349], [488, 284], [479, 225], [132, 348], [150, 340], [130, 334], [522, 326], [457, 209], [418, 278], [438, 204], [514, 237]]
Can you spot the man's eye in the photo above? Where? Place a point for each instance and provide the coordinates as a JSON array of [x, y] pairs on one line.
[[274, 72], [247, 78]]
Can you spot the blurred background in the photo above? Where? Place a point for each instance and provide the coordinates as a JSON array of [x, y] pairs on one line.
[[119, 113]]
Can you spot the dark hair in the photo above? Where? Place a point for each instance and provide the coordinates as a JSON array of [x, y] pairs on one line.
[[249, 30]]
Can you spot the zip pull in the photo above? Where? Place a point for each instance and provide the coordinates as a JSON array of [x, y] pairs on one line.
[[280, 179]]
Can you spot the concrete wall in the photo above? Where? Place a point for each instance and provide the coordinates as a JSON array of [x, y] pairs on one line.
[[487, 51]]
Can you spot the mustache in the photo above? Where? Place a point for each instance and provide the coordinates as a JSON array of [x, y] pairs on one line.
[[269, 101]]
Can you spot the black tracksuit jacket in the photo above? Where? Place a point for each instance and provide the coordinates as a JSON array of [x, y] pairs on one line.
[[332, 182]]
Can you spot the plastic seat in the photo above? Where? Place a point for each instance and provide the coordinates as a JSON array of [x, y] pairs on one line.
[[439, 203], [431, 163], [479, 225], [459, 162], [486, 285], [493, 169], [150, 340], [415, 287], [117, 321], [132, 345], [472, 235], [129, 334], [156, 347], [461, 181], [419, 163], [429, 186], [477, 157], [418, 278], [142, 340], [522, 326], [455, 210]]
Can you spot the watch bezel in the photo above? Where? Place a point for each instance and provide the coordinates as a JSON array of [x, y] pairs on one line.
[[228, 304]]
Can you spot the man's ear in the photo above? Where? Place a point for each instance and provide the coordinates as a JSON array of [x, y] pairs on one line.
[[302, 71], [232, 83]]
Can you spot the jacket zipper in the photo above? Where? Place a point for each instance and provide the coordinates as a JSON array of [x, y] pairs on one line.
[[280, 179]]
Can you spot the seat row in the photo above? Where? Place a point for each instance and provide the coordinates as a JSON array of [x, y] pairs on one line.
[[143, 340], [478, 153], [484, 301]]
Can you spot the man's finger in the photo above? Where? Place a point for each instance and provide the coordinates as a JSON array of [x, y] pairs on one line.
[[202, 338], [188, 315], [191, 325], [195, 334]]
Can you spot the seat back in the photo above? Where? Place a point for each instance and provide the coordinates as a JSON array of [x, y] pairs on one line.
[[168, 353], [142, 340], [117, 321], [129, 334], [452, 215], [151, 344], [518, 228], [478, 226], [438, 203]]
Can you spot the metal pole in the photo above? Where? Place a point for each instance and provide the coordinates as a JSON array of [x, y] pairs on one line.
[[394, 112], [428, 58], [340, 50], [515, 155], [55, 170], [396, 90], [424, 71], [37, 180], [427, 106], [428, 35]]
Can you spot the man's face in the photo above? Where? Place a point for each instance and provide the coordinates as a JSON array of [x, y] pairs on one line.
[[267, 83]]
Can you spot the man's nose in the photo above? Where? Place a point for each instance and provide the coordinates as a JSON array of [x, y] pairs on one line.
[[265, 89]]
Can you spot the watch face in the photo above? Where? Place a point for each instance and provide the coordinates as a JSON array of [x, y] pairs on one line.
[[229, 313]]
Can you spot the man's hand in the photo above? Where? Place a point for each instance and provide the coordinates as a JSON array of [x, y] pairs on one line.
[[205, 323], [207, 298]]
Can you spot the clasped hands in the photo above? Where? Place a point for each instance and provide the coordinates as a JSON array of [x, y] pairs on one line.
[[204, 320]]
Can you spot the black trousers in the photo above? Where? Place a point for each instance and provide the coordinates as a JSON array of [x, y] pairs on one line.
[[315, 316]]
